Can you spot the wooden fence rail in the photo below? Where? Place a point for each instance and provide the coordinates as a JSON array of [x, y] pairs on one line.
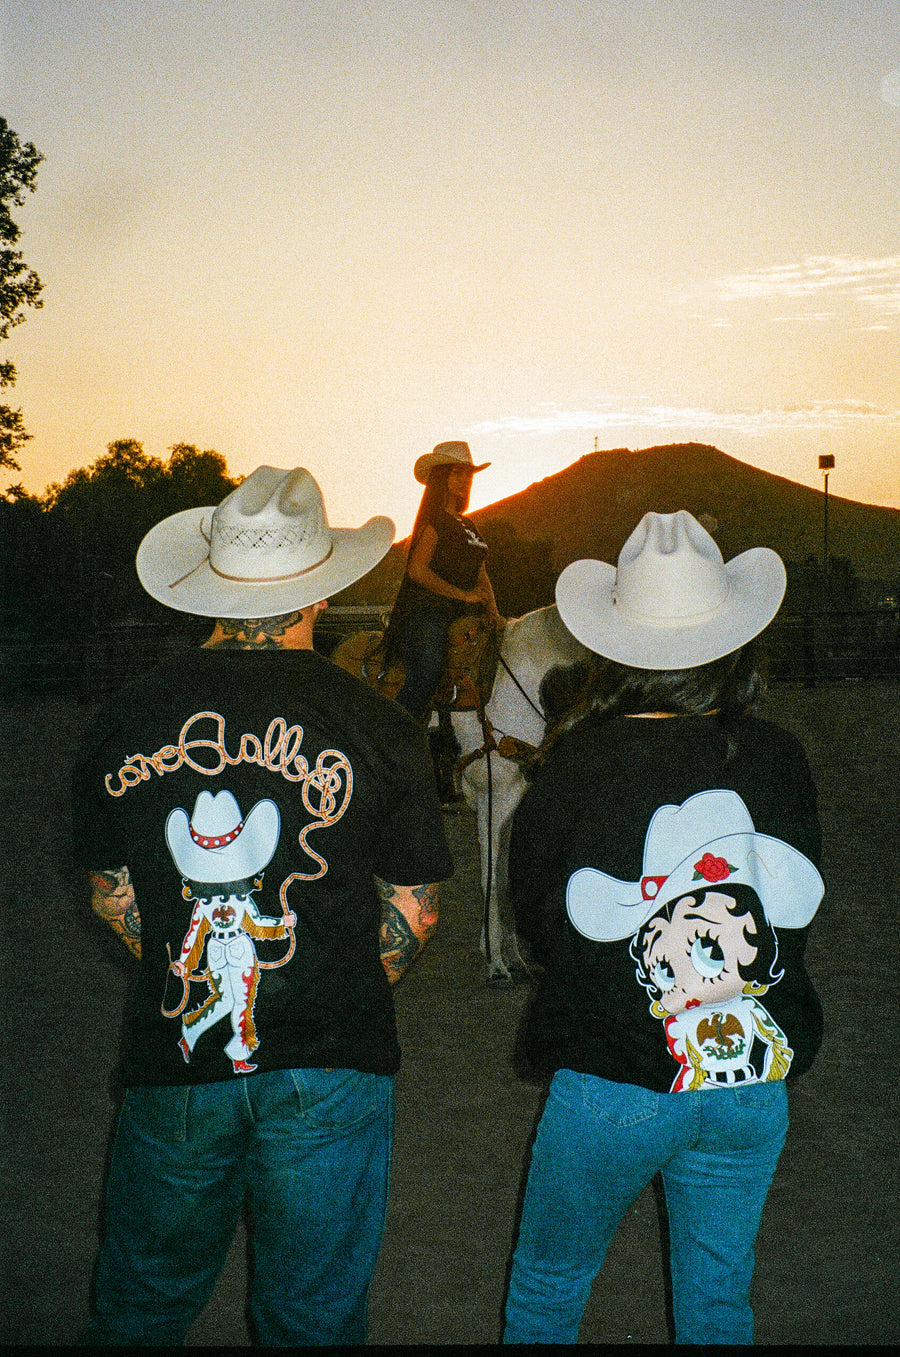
[[808, 648]]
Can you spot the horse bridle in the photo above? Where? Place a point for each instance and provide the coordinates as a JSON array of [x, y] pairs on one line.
[[516, 748]]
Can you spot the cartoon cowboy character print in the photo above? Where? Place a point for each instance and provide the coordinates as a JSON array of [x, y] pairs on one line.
[[702, 959], [221, 858], [702, 922]]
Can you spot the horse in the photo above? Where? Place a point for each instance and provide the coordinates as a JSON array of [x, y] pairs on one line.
[[493, 782], [491, 778]]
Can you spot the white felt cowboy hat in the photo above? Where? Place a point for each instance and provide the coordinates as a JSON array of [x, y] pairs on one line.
[[445, 454], [267, 549], [216, 844], [709, 841], [672, 602]]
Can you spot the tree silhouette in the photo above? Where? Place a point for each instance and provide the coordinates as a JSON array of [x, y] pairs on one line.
[[20, 287], [68, 556]]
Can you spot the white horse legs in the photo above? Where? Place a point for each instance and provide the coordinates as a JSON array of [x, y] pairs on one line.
[[505, 965]]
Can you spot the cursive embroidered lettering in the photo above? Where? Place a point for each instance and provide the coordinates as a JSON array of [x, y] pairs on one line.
[[202, 746], [325, 791]]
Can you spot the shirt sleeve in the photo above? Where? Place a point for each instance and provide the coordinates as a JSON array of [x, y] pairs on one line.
[[412, 848], [539, 830], [98, 842]]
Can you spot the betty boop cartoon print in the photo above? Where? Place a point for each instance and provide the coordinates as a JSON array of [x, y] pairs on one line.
[[221, 858], [703, 924]]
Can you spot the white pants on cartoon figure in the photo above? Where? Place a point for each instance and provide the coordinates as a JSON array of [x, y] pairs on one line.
[[233, 971]]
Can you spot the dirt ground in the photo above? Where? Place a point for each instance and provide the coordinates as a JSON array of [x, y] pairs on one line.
[[827, 1255]]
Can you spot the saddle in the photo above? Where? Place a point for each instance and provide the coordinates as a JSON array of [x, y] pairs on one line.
[[473, 651], [362, 655]]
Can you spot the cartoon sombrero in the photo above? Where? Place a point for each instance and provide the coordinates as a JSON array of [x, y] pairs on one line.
[[708, 841], [217, 844]]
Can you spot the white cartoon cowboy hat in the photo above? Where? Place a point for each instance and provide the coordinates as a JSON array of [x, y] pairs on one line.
[[267, 549], [672, 602], [708, 841], [216, 844], [445, 454]]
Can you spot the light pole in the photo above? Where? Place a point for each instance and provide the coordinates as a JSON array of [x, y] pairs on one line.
[[826, 464]]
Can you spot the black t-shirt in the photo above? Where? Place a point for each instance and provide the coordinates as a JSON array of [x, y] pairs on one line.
[[457, 558], [241, 788], [596, 1010], [460, 551]]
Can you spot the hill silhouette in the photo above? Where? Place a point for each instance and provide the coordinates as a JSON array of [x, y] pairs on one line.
[[590, 507]]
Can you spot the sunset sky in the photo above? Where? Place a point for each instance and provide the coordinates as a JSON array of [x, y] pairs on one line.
[[333, 234]]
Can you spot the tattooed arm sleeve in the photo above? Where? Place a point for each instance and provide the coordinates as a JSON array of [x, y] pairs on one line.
[[112, 899], [408, 918]]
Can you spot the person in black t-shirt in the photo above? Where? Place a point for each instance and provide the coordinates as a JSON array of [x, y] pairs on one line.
[[445, 574], [262, 831], [663, 869]]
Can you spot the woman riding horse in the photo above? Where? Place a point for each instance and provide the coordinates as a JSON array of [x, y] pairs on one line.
[[445, 577]]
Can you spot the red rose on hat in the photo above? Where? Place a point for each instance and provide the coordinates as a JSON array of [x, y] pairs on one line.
[[712, 869]]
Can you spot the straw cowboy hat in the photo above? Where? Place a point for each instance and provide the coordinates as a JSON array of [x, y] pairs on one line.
[[672, 602], [216, 844], [709, 841], [267, 549], [445, 454]]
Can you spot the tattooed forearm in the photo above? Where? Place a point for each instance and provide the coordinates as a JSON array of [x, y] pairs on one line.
[[399, 943], [112, 898], [408, 917], [427, 900]]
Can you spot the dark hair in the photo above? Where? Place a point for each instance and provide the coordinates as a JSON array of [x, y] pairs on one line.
[[761, 969], [598, 689], [434, 500]]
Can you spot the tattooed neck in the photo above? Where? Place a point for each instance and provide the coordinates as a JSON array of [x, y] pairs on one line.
[[253, 633]]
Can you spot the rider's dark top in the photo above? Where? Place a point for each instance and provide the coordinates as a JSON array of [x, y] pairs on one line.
[[330, 786], [458, 556], [460, 550]]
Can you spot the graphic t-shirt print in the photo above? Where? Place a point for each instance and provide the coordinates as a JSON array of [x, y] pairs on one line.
[[325, 787], [472, 538], [703, 923], [221, 856]]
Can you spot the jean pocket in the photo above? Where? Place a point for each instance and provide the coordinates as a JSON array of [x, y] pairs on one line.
[[616, 1104], [157, 1113], [341, 1099], [753, 1115], [766, 1100]]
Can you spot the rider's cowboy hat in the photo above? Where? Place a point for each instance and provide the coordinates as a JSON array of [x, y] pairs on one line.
[[216, 844], [672, 602], [267, 549], [445, 454], [709, 841]]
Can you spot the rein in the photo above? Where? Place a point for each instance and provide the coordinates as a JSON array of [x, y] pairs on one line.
[[485, 919], [533, 705]]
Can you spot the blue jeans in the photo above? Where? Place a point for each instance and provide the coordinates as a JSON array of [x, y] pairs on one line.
[[311, 1149], [423, 649], [598, 1146]]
